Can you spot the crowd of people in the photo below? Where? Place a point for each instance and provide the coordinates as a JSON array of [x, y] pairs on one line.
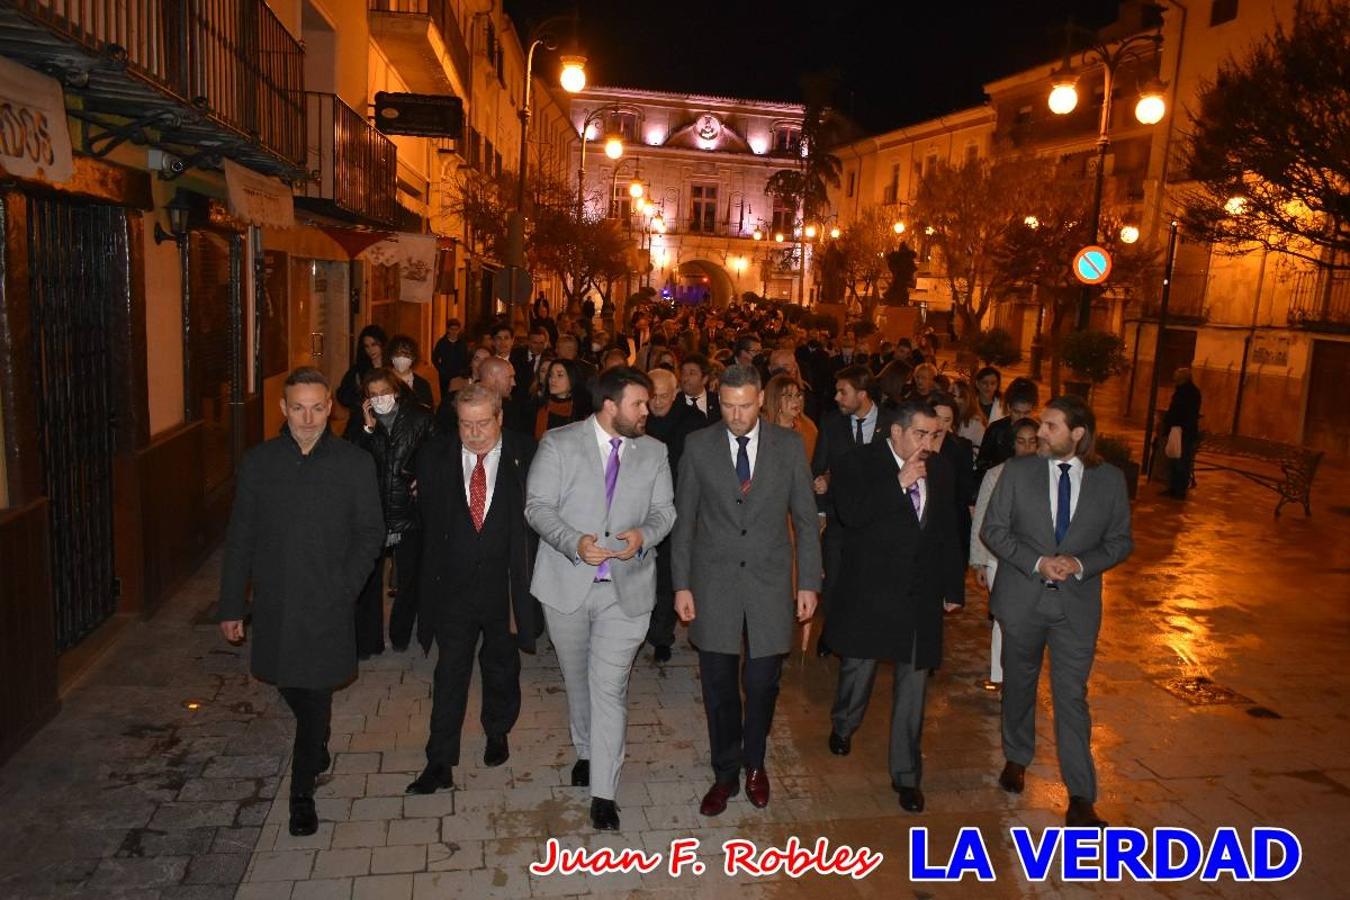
[[762, 481]]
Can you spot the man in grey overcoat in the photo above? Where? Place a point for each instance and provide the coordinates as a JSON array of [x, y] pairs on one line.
[[746, 513], [305, 530], [1056, 522], [599, 496]]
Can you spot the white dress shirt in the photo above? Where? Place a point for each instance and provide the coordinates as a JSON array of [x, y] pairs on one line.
[[751, 447], [922, 482], [701, 401], [602, 438], [869, 425], [469, 461], [1076, 488]]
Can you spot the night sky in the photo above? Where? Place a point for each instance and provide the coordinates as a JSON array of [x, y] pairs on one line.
[[899, 61]]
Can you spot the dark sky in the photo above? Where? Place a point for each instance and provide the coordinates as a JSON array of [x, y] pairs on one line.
[[900, 61]]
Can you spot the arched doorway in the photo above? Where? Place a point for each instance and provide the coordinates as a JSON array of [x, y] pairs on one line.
[[703, 281]]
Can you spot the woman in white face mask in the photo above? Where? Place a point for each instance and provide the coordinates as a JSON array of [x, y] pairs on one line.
[[402, 354]]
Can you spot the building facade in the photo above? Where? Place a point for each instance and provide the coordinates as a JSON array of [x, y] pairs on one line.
[[204, 203], [703, 163]]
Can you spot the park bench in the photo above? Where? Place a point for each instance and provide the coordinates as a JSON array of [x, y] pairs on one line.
[[1297, 465]]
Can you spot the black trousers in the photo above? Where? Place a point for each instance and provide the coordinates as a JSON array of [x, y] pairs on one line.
[[1179, 470], [738, 735], [313, 711], [661, 631], [457, 633], [832, 557], [407, 555]]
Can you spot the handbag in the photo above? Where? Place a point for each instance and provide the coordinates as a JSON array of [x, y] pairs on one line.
[[1173, 448]]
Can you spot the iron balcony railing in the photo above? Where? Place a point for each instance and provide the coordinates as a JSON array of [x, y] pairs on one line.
[[232, 59], [442, 14], [1185, 301], [1320, 299], [356, 166]]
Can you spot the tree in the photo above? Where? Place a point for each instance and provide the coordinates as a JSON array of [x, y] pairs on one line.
[[862, 247], [582, 253], [480, 202], [970, 210], [805, 186], [1272, 129]]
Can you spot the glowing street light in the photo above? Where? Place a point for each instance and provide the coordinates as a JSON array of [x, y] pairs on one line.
[[614, 146], [835, 232], [659, 223], [573, 76], [898, 227], [779, 237], [1129, 234], [1032, 222], [1151, 107], [1236, 205], [758, 235], [1063, 97], [810, 232], [636, 190]]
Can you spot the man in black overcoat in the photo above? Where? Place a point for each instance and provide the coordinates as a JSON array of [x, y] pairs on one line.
[[902, 568], [475, 577], [305, 530]]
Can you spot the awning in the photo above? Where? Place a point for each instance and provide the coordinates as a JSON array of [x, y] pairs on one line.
[[257, 199]]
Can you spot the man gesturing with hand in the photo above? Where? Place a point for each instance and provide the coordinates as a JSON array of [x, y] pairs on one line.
[[599, 495]]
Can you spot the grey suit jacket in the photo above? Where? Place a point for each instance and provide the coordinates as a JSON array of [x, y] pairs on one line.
[[565, 500], [735, 552], [1018, 530]]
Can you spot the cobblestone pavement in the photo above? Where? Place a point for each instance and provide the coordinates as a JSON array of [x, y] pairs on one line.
[[131, 793]]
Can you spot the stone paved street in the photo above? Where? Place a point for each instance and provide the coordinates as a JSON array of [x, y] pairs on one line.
[[131, 793]]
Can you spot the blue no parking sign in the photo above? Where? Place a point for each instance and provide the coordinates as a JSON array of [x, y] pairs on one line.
[[1092, 264]]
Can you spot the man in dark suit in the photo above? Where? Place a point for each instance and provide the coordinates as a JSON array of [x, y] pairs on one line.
[[739, 484], [475, 578], [1056, 522], [1184, 413], [450, 356], [305, 530], [895, 503], [670, 423], [996, 446], [499, 376], [858, 421], [694, 388], [526, 361]]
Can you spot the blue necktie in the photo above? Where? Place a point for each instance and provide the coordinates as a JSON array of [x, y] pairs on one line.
[[1063, 507], [858, 432], [743, 463]]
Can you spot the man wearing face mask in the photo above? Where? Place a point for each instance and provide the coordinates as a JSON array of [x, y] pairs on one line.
[[394, 429], [402, 352], [901, 567]]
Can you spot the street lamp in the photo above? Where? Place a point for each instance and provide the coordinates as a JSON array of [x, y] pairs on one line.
[[810, 232], [613, 149], [573, 77], [1032, 222], [1129, 234], [635, 189], [1064, 98], [835, 232], [898, 227], [614, 146]]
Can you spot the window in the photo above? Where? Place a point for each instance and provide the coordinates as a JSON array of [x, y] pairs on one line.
[[916, 175], [621, 203], [703, 208], [487, 156], [787, 138], [1221, 11], [930, 163], [972, 152], [852, 182], [625, 125], [784, 217], [475, 147], [1023, 115], [892, 192]]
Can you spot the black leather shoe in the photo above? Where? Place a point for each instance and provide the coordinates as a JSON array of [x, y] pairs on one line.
[[432, 779], [1081, 815], [1013, 778], [581, 773], [840, 746], [304, 820], [604, 815], [661, 654], [325, 761], [497, 751], [911, 799], [822, 648]]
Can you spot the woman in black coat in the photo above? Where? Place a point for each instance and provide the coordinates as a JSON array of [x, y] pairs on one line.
[[402, 353], [370, 346], [394, 428], [567, 399]]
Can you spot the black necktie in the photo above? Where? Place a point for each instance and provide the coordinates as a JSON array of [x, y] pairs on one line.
[[857, 432], [743, 463], [1063, 507]]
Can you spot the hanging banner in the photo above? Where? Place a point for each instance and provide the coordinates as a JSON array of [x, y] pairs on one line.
[[256, 199], [415, 256], [34, 139]]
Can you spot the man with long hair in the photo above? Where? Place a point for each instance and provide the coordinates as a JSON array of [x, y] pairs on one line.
[[1056, 522]]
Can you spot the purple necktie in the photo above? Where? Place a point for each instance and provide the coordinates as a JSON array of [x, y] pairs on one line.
[[611, 479], [915, 498]]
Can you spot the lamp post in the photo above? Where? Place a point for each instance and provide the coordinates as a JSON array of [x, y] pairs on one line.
[[613, 149], [636, 190], [1063, 99], [572, 79]]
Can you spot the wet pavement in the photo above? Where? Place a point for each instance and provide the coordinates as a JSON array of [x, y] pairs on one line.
[[1219, 698]]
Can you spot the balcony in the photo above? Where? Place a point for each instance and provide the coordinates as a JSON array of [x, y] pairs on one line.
[[1186, 302], [1320, 300], [418, 36], [201, 79], [356, 165]]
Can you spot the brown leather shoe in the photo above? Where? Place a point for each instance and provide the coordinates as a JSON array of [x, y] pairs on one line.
[[715, 801], [1081, 815], [757, 787], [1013, 778]]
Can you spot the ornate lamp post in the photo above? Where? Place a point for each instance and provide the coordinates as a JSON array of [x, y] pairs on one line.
[[1063, 99]]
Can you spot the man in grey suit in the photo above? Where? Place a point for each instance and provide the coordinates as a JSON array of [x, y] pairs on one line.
[[739, 483], [1056, 522], [599, 495]]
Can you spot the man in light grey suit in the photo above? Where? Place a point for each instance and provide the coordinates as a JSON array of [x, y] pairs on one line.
[[732, 569], [1056, 522], [599, 495]]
